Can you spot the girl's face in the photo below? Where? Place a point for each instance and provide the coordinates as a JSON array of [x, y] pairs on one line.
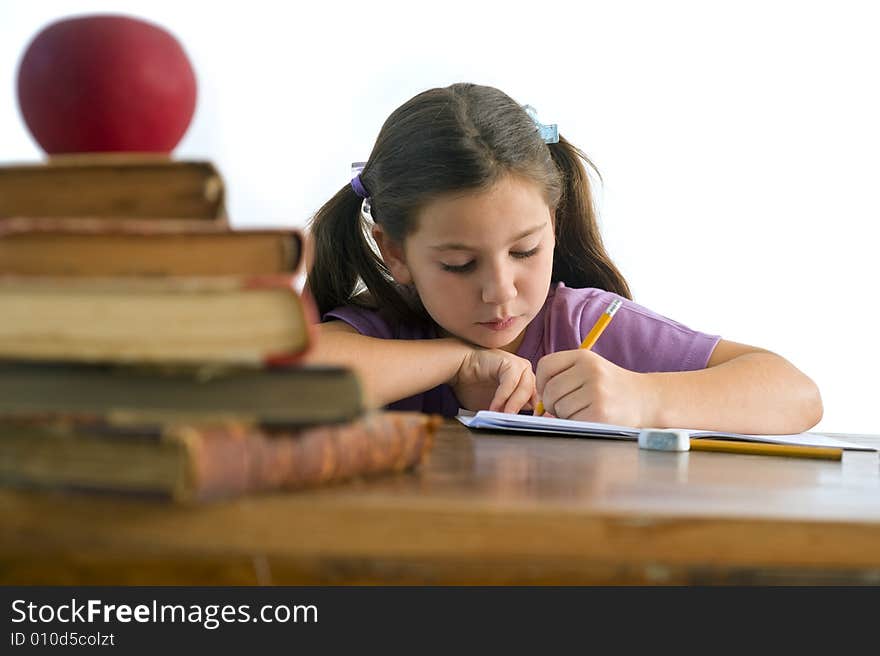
[[481, 261]]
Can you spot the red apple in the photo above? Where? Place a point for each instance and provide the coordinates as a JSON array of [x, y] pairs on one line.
[[102, 83]]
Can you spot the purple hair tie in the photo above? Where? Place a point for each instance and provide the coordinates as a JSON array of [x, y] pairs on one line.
[[358, 186]]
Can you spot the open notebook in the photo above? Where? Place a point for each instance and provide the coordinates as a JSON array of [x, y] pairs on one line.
[[551, 425]]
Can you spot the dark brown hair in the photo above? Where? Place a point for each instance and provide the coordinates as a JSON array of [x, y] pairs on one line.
[[444, 140]]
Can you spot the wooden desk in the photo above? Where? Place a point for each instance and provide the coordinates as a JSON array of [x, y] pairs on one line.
[[486, 508]]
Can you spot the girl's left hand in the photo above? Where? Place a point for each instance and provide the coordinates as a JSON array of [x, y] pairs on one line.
[[582, 385]]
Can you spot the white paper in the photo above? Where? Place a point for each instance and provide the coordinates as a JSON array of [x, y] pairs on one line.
[[529, 423]]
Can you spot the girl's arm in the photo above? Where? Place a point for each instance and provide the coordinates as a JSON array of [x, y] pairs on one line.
[[743, 389], [393, 369]]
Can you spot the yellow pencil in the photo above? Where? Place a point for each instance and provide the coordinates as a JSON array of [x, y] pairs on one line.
[[594, 334], [763, 449]]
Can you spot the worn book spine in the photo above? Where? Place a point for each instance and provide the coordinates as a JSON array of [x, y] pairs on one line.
[[118, 185], [155, 320], [226, 461], [117, 396], [89, 246], [192, 462]]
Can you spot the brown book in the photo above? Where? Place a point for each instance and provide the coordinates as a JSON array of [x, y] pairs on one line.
[[278, 396], [140, 247], [198, 462], [113, 185], [208, 321]]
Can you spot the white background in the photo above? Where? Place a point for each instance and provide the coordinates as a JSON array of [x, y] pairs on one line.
[[738, 141]]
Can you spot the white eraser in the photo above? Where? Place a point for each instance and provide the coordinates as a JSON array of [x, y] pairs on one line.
[[664, 439]]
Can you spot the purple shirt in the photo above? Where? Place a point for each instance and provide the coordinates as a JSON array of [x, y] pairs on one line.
[[637, 339]]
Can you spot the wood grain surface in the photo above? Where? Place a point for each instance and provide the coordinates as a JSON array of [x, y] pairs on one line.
[[486, 508]]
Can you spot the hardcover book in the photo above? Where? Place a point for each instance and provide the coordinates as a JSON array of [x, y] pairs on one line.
[[113, 185], [276, 396], [74, 246], [208, 320], [200, 462]]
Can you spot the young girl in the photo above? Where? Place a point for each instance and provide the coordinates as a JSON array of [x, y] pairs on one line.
[[490, 271]]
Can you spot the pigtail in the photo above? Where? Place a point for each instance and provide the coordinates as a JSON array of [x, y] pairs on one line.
[[346, 270], [340, 253], [580, 259]]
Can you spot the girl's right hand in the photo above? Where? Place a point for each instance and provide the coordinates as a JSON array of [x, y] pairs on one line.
[[495, 380]]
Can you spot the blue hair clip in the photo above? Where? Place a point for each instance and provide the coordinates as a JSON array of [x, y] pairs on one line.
[[549, 133]]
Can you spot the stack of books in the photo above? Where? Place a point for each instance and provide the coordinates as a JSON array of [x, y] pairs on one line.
[[148, 353]]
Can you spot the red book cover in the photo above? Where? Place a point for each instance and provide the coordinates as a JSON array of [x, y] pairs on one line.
[[233, 460]]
